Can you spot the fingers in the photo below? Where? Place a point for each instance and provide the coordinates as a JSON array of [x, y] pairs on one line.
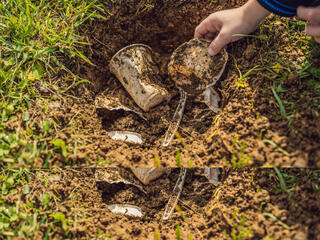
[[208, 27], [310, 14], [218, 43], [317, 39], [313, 30]]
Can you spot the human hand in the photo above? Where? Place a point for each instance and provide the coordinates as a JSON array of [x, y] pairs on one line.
[[224, 27], [312, 16]]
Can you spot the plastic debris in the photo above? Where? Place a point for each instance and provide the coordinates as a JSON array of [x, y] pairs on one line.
[[126, 136], [146, 175], [173, 200], [113, 103], [212, 174], [212, 99], [135, 68], [174, 124], [125, 209], [108, 177], [193, 69]]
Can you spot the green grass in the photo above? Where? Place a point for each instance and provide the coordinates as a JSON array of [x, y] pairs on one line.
[[239, 158], [239, 231], [35, 37]]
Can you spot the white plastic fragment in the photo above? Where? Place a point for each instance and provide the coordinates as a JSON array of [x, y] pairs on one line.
[[174, 125], [126, 136], [212, 174], [173, 200], [125, 209], [212, 99]]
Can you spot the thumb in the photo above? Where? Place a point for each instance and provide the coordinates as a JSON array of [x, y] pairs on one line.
[[218, 43]]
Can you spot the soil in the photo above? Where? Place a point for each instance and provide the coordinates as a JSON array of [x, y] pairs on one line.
[[248, 114], [207, 212]]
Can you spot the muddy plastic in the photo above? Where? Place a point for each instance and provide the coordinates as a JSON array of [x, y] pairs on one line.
[[137, 71], [193, 69], [146, 175]]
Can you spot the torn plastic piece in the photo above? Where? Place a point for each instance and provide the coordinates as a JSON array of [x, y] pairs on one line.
[[125, 209], [126, 136], [212, 174], [212, 99], [174, 125], [146, 175], [111, 176], [173, 200], [113, 103]]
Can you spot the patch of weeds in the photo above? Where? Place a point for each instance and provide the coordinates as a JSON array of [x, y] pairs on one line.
[[242, 80], [15, 218], [239, 231], [287, 183], [314, 176], [239, 158]]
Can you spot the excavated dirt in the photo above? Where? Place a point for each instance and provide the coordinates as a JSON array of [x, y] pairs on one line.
[[207, 212], [248, 114]]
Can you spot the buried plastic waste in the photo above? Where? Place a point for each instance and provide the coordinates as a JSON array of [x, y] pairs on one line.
[[109, 177], [126, 136], [125, 209], [194, 72], [146, 175]]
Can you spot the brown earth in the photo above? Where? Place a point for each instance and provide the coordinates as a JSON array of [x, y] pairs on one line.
[[207, 212], [248, 114]]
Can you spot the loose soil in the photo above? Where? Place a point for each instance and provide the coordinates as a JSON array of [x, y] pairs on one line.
[[248, 114], [207, 212]]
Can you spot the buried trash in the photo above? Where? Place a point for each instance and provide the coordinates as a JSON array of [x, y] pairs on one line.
[[126, 136], [157, 192], [212, 99], [175, 122], [194, 72], [105, 178], [109, 103], [212, 174], [191, 68], [146, 175], [173, 200], [135, 68], [125, 209]]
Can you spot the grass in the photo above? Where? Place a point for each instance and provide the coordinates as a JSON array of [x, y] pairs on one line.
[[35, 37], [239, 231], [239, 158]]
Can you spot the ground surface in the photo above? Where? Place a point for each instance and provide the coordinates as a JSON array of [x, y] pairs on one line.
[[246, 204], [250, 129]]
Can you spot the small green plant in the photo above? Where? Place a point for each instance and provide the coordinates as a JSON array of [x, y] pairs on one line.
[[276, 219], [287, 183], [239, 231], [239, 159], [242, 80]]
